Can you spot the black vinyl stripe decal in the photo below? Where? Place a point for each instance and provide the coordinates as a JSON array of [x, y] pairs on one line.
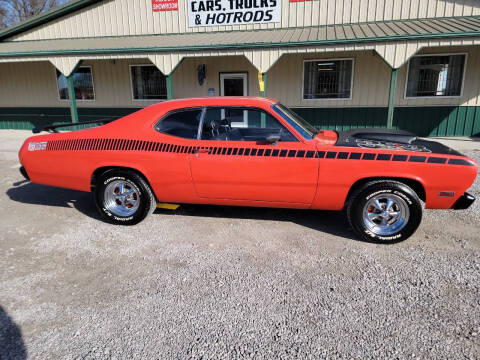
[[368, 156], [460, 162], [94, 144], [414, 158], [437, 160], [384, 157], [399, 157]]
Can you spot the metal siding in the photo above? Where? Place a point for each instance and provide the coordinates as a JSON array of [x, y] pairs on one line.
[[471, 88], [135, 17], [370, 80], [34, 84], [337, 33], [28, 84], [185, 82]]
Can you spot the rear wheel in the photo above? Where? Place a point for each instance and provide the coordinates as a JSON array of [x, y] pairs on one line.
[[124, 197], [384, 211]]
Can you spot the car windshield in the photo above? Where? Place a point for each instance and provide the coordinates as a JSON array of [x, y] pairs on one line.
[[295, 120]]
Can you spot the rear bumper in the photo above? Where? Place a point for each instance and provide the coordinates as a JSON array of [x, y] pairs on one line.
[[24, 173], [464, 202]]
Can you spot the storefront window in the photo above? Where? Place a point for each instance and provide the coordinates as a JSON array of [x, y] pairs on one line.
[[327, 79], [148, 83], [82, 83], [440, 75]]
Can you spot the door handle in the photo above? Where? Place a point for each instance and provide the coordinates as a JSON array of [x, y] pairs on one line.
[[202, 150]]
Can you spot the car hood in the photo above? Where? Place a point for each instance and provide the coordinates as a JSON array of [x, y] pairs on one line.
[[391, 140]]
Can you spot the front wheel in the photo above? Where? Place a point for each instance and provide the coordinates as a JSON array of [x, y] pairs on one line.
[[124, 197], [384, 211]]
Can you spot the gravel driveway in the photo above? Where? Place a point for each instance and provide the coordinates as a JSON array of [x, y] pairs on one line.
[[226, 283]]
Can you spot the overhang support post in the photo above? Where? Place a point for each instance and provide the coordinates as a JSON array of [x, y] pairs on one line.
[[263, 89], [72, 98], [169, 86], [263, 92], [391, 98]]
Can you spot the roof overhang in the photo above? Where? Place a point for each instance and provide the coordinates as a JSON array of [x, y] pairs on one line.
[[375, 32], [394, 41]]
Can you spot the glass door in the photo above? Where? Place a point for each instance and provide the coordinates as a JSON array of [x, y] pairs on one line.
[[235, 84]]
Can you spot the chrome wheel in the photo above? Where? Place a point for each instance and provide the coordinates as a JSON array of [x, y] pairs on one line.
[[121, 198], [385, 214]]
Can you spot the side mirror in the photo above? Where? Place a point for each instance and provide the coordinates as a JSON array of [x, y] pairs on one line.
[[272, 139]]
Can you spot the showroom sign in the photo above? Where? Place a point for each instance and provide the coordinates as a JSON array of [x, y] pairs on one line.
[[164, 5], [233, 12]]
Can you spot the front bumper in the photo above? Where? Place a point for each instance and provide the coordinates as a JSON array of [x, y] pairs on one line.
[[463, 202], [24, 173]]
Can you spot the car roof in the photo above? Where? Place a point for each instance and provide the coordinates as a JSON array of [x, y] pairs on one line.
[[218, 101]]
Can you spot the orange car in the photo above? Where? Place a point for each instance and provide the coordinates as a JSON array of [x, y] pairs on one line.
[[252, 152]]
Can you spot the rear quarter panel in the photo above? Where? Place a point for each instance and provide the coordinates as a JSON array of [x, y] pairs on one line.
[[70, 159]]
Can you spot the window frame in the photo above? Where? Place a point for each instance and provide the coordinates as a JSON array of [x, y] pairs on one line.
[[131, 83], [274, 115], [93, 84], [173, 111], [244, 75], [329, 59], [405, 97]]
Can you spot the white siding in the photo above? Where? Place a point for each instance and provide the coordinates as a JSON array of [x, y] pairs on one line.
[[34, 84], [370, 80], [135, 17], [471, 88]]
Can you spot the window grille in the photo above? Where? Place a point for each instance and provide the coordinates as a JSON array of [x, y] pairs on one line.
[[330, 79], [439, 75], [148, 83]]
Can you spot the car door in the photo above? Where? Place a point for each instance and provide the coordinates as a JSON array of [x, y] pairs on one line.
[[176, 133], [235, 161]]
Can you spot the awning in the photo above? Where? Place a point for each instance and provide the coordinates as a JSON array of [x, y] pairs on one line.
[[371, 32]]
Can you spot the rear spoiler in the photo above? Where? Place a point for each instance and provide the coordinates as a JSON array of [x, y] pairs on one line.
[[53, 128]]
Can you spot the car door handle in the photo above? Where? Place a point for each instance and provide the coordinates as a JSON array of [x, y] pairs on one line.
[[198, 151]]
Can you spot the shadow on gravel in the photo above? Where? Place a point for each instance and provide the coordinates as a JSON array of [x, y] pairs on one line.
[[330, 222], [11, 341], [29, 193]]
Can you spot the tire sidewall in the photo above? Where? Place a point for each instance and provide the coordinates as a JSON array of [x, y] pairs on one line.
[[143, 208], [403, 192]]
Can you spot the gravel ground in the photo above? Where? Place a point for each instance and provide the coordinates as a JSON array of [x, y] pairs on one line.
[[226, 283]]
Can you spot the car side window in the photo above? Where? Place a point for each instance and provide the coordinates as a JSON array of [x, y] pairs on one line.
[[242, 124], [182, 123]]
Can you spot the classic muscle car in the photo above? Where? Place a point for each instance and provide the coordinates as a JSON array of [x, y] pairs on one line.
[[252, 152]]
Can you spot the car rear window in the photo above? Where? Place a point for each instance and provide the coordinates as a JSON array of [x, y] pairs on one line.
[[182, 123]]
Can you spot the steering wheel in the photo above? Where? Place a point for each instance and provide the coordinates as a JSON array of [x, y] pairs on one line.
[[226, 123]]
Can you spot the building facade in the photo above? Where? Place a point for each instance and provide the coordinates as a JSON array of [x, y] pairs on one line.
[[341, 64]]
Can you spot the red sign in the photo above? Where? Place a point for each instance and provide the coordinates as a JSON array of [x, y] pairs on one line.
[[164, 5]]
